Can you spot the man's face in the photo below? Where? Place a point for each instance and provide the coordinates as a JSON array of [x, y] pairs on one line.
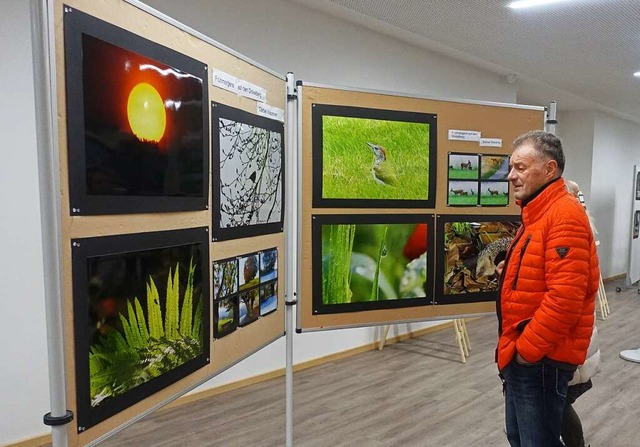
[[529, 171]]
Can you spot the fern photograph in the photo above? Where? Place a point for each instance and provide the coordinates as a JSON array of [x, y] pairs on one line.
[[143, 321], [145, 325]]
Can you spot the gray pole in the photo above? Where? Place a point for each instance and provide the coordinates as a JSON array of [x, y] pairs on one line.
[[290, 243], [48, 175], [552, 118]]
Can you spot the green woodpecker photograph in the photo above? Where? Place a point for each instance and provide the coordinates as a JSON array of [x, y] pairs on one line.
[[375, 155]]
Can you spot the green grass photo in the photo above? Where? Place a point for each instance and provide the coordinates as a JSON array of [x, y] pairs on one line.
[[365, 155], [463, 167], [494, 193], [462, 193]]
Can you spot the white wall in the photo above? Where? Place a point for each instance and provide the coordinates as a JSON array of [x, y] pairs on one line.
[[601, 151], [575, 129], [616, 148], [281, 35], [24, 387], [285, 36]]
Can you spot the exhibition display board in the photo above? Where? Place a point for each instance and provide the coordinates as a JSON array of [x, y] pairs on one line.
[[410, 209], [172, 187]]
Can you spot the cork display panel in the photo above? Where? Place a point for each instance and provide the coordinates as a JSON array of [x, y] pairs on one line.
[[141, 179], [480, 132]]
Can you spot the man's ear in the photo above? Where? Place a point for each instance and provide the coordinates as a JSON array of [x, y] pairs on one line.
[[551, 168]]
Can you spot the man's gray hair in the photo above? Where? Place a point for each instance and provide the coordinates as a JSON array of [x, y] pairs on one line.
[[547, 144]]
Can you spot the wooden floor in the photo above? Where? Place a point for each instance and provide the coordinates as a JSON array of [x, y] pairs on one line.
[[413, 393]]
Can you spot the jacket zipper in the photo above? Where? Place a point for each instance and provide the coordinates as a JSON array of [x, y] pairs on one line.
[[514, 243], [524, 249]]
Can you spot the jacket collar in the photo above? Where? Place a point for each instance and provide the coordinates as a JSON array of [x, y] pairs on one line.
[[538, 204]]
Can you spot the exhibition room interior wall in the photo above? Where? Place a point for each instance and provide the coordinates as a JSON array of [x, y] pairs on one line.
[[283, 36]]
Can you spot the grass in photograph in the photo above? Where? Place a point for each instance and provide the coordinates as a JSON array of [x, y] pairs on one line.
[[494, 193], [348, 160], [148, 344], [365, 263], [469, 200], [462, 193], [462, 174], [489, 199], [226, 316]]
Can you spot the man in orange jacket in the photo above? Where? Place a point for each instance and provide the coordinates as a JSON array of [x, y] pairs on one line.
[[548, 283]]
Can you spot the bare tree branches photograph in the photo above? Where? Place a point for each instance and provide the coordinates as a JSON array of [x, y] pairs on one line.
[[249, 163]]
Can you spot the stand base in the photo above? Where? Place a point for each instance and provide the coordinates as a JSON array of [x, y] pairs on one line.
[[631, 355]]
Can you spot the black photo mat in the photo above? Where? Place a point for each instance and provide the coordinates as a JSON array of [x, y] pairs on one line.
[[247, 153], [352, 253], [141, 311], [477, 180], [468, 248], [137, 122], [367, 158]]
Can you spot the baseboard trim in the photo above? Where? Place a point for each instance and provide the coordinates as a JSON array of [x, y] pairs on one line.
[[37, 441], [614, 278], [41, 441], [301, 366]]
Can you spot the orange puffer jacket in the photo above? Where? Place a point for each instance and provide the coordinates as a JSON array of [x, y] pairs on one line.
[[551, 275]]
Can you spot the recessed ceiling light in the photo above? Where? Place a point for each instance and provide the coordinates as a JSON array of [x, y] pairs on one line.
[[530, 3], [637, 74]]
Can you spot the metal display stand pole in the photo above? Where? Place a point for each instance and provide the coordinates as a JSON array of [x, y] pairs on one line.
[[48, 176], [291, 237], [552, 119]]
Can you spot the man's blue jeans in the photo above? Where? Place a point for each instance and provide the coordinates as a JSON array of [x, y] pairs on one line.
[[534, 400]]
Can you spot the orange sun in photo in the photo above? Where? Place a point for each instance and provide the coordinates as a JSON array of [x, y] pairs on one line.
[[146, 113]]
